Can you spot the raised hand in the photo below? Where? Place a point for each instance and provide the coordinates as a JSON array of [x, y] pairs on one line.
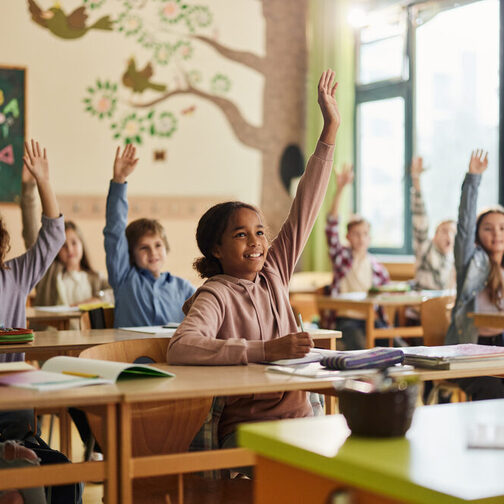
[[124, 163], [345, 176], [292, 346], [478, 164], [328, 106], [36, 162], [416, 169]]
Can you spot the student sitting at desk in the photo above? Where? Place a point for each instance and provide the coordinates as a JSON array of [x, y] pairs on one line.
[[242, 314], [479, 261], [354, 269], [144, 294], [70, 280], [434, 267]]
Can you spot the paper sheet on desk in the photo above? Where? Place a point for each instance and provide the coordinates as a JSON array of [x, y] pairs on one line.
[[162, 331], [57, 308]]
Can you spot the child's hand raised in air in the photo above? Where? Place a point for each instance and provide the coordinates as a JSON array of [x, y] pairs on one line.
[[345, 176], [328, 106], [416, 169], [35, 161], [478, 164], [124, 163], [292, 346]]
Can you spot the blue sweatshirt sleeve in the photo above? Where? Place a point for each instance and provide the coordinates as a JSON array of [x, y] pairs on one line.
[[116, 244]]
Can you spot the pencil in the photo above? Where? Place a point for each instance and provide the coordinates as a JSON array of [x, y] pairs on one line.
[[301, 322], [82, 375]]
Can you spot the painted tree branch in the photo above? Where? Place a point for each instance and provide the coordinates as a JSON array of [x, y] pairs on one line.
[[251, 136], [246, 58]]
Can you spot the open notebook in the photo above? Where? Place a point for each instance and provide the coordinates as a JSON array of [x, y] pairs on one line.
[[67, 372]]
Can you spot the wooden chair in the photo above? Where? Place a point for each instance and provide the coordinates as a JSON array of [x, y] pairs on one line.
[[163, 428], [435, 315]]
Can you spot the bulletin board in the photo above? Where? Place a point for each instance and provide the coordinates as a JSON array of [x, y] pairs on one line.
[[12, 130]]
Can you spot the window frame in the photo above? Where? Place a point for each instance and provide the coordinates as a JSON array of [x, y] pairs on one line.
[[404, 87]]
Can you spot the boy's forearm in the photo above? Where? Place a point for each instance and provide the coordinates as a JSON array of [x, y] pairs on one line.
[[50, 207], [334, 210]]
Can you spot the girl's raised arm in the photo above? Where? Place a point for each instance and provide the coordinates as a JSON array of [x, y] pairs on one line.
[[38, 165], [328, 107]]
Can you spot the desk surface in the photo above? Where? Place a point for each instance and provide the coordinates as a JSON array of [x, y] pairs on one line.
[[50, 343], [35, 315], [431, 464]]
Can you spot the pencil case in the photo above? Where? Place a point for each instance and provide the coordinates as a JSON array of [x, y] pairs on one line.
[[365, 359]]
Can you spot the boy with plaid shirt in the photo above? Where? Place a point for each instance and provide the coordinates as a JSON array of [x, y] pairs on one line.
[[354, 269]]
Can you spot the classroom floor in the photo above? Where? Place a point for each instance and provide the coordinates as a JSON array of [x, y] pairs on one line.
[[93, 493]]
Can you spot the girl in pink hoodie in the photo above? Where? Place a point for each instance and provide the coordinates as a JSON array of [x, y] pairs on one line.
[[242, 314]]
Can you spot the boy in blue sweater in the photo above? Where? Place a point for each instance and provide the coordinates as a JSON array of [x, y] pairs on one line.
[[144, 294]]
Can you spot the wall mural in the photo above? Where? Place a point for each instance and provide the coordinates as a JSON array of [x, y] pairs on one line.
[[136, 104], [12, 131]]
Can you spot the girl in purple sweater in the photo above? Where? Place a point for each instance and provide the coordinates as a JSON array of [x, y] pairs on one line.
[[242, 314], [18, 276]]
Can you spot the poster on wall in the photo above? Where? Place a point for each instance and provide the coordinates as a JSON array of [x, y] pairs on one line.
[[12, 131]]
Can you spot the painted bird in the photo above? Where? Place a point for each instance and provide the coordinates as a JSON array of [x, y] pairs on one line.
[[72, 26], [138, 80]]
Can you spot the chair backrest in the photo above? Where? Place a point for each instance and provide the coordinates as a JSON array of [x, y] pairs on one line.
[[435, 314], [100, 318], [157, 427], [304, 304]]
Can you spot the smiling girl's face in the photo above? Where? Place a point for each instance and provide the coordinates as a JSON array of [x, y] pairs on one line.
[[243, 247], [491, 233], [71, 252]]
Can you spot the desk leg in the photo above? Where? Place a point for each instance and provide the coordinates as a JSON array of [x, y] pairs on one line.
[[65, 432], [370, 327], [125, 454], [110, 436], [278, 483]]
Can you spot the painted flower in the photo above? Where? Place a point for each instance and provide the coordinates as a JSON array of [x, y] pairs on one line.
[[194, 77], [164, 125], [183, 50], [163, 53], [198, 16], [129, 128], [220, 83], [130, 24], [172, 11], [147, 39], [101, 100]]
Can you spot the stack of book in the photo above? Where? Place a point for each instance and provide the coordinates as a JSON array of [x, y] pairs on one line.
[[11, 335], [463, 356]]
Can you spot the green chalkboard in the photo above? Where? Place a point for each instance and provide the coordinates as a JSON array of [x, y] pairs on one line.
[[12, 131]]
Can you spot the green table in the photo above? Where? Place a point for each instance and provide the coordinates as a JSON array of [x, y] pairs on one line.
[[306, 460]]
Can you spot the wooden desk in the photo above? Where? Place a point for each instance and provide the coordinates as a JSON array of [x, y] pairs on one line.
[[309, 460], [105, 396], [495, 320], [60, 320], [50, 343], [365, 304]]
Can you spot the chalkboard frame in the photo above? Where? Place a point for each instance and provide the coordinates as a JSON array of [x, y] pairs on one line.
[[12, 130]]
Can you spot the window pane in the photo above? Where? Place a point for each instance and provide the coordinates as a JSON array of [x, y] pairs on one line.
[[381, 169], [382, 49], [457, 103]]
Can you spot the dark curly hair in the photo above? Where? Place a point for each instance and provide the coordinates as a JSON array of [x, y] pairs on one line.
[[4, 244], [210, 229]]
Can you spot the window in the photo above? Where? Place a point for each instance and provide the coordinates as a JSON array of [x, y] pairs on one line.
[[426, 85]]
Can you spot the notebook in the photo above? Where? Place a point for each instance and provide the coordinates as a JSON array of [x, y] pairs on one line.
[[66, 372], [463, 356], [13, 335]]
